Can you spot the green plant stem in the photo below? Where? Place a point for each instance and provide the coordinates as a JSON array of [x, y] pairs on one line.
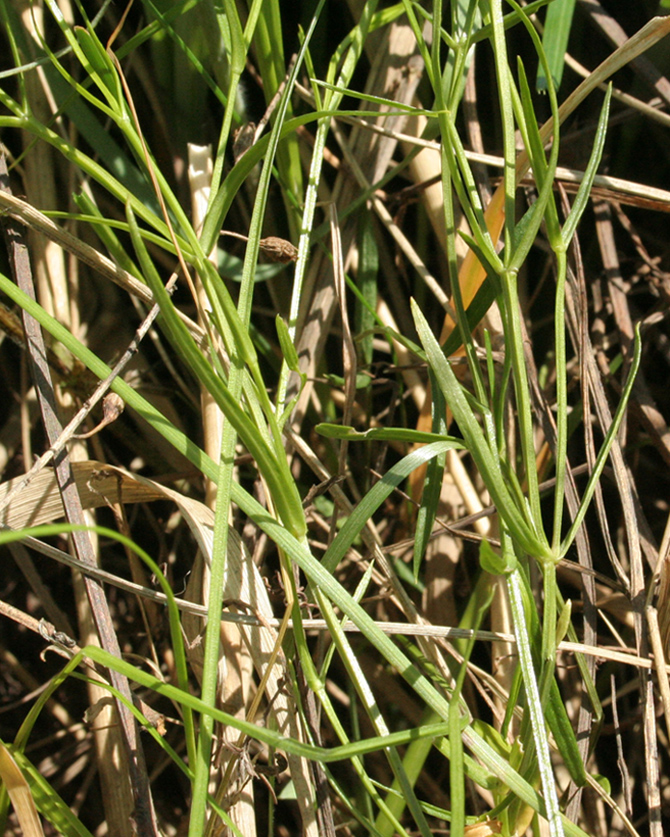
[[514, 340], [606, 446], [514, 345], [314, 570], [211, 653], [237, 54], [534, 703], [549, 624], [332, 101], [562, 430], [369, 702]]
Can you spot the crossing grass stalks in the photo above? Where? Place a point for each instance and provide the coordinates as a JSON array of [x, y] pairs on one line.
[[373, 517]]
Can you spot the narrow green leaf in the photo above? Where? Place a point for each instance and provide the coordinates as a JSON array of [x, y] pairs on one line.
[[366, 280], [286, 345], [564, 734], [476, 311], [432, 487], [99, 66], [494, 563], [275, 470], [387, 434], [563, 621], [584, 190], [515, 590], [544, 208], [557, 26], [543, 170], [425, 519], [50, 805], [375, 497], [606, 446], [236, 42], [475, 441], [269, 42], [392, 107]]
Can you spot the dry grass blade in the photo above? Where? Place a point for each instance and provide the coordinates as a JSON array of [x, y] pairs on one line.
[[430, 636], [617, 36], [390, 77], [35, 220], [19, 792], [100, 485], [139, 789], [605, 186]]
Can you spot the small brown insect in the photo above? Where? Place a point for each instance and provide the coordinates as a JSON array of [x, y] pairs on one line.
[[278, 249], [275, 248]]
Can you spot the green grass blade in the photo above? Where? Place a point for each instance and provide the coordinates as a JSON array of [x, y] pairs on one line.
[[544, 208], [375, 497], [432, 487], [366, 277], [584, 190], [534, 704], [274, 470], [385, 434], [50, 805], [475, 441], [270, 53], [557, 26], [604, 451]]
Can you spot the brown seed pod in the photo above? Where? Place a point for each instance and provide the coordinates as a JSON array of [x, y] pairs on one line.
[[278, 249]]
